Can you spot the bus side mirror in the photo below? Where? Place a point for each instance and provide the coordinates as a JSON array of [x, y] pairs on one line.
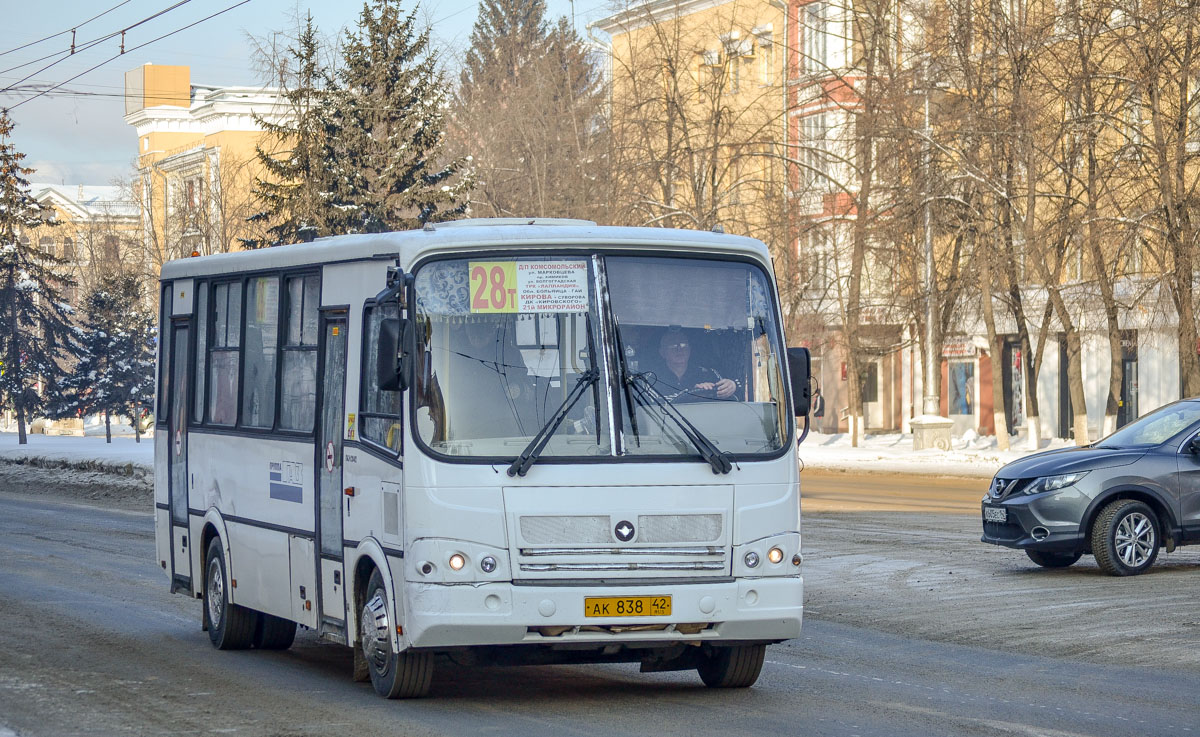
[[800, 374], [393, 362]]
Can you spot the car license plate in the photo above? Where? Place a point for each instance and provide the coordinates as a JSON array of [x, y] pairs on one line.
[[995, 514], [626, 606]]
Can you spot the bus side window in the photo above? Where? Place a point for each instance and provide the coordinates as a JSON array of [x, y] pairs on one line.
[[223, 354], [380, 415], [299, 391]]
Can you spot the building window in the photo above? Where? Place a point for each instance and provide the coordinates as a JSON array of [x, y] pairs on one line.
[[962, 387], [109, 248], [68, 249], [298, 397], [46, 246], [814, 134], [814, 25], [766, 59]]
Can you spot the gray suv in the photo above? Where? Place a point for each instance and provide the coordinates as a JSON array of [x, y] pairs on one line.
[[1120, 499]]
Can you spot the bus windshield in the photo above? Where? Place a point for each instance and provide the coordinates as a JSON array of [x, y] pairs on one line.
[[505, 343], [502, 345], [700, 335]]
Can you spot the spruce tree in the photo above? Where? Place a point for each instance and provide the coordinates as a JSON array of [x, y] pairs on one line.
[[527, 110], [37, 340], [115, 373], [385, 120], [295, 190]]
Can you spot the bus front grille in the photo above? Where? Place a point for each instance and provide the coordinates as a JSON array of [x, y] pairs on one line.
[[681, 559]]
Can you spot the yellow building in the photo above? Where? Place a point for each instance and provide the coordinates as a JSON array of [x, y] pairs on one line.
[[96, 233], [196, 160], [697, 110]]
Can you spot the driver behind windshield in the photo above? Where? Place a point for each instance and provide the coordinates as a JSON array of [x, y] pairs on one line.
[[680, 380]]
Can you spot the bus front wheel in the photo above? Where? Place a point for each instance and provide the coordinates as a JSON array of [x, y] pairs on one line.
[[732, 667], [230, 627], [394, 675]]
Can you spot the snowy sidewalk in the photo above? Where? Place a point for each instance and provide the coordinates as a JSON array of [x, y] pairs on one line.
[[891, 453], [971, 456]]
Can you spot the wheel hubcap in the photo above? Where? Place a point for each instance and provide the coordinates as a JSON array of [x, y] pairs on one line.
[[1135, 539], [216, 593], [376, 635]]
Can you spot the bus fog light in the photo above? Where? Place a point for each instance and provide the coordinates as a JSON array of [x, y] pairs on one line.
[[796, 559], [457, 561], [427, 568], [752, 559], [488, 564], [774, 555]]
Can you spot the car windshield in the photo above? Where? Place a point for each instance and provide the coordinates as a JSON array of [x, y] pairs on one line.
[[1156, 427], [501, 345], [701, 334]]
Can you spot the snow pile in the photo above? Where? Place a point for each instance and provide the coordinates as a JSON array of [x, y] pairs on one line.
[[970, 455]]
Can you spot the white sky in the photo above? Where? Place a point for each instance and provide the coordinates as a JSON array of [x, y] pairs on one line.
[[82, 138]]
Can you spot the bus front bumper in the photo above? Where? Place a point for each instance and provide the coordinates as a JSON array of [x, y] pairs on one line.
[[744, 610]]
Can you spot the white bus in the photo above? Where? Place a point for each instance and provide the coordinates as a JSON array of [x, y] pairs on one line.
[[534, 441]]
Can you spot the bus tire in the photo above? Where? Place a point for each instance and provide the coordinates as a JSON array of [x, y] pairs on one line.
[[230, 627], [274, 633], [405, 675], [732, 667]]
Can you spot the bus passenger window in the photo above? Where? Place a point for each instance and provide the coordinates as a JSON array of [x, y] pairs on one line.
[[223, 361], [262, 333], [299, 390]]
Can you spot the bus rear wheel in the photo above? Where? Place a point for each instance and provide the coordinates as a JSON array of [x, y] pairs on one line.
[[230, 627], [394, 675], [732, 667], [274, 633]]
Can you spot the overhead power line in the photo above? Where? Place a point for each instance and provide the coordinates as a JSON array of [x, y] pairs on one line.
[[69, 30], [124, 51], [89, 44]]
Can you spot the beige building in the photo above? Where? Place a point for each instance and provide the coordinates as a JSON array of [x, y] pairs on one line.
[[196, 159]]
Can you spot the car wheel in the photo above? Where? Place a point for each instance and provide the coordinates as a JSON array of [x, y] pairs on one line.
[[732, 667], [1125, 538], [394, 675], [230, 627], [274, 633], [1052, 560]]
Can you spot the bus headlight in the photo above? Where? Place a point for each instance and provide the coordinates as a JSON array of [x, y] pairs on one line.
[[457, 561], [751, 559], [774, 555], [487, 564]]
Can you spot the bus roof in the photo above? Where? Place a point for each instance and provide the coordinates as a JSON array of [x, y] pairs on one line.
[[459, 236]]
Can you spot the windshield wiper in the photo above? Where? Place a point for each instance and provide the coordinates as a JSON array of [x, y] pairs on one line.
[[521, 464], [708, 450]]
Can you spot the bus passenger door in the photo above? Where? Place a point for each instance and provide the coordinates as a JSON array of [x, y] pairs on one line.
[[331, 575], [177, 484]]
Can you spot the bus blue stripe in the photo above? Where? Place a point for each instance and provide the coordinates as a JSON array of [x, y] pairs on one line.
[[287, 492]]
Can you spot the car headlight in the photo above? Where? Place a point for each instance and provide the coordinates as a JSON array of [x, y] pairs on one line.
[[1052, 483]]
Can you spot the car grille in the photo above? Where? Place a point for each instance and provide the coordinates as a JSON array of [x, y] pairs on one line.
[[1003, 531], [1002, 488]]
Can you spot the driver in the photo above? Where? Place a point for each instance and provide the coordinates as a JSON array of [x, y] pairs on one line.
[[681, 381]]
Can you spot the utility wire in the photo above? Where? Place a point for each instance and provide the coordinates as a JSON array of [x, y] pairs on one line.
[[89, 44], [125, 51], [69, 30]]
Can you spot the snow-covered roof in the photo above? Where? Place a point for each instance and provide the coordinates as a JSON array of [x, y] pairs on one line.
[[86, 200], [465, 235]]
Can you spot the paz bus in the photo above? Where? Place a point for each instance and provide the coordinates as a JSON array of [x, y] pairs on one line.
[[473, 441]]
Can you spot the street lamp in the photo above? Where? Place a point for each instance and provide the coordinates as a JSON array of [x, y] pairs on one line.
[[930, 429]]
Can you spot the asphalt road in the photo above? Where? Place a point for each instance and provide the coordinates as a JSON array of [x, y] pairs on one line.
[[92, 643]]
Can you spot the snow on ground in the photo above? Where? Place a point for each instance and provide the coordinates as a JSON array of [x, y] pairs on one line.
[[970, 456], [91, 450]]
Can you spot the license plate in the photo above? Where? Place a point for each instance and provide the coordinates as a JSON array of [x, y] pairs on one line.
[[626, 606], [995, 514]]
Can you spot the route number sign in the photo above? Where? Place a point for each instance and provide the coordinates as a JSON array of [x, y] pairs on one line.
[[528, 286]]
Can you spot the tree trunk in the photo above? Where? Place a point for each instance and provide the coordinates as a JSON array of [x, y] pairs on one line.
[[107, 427], [21, 439], [137, 424]]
